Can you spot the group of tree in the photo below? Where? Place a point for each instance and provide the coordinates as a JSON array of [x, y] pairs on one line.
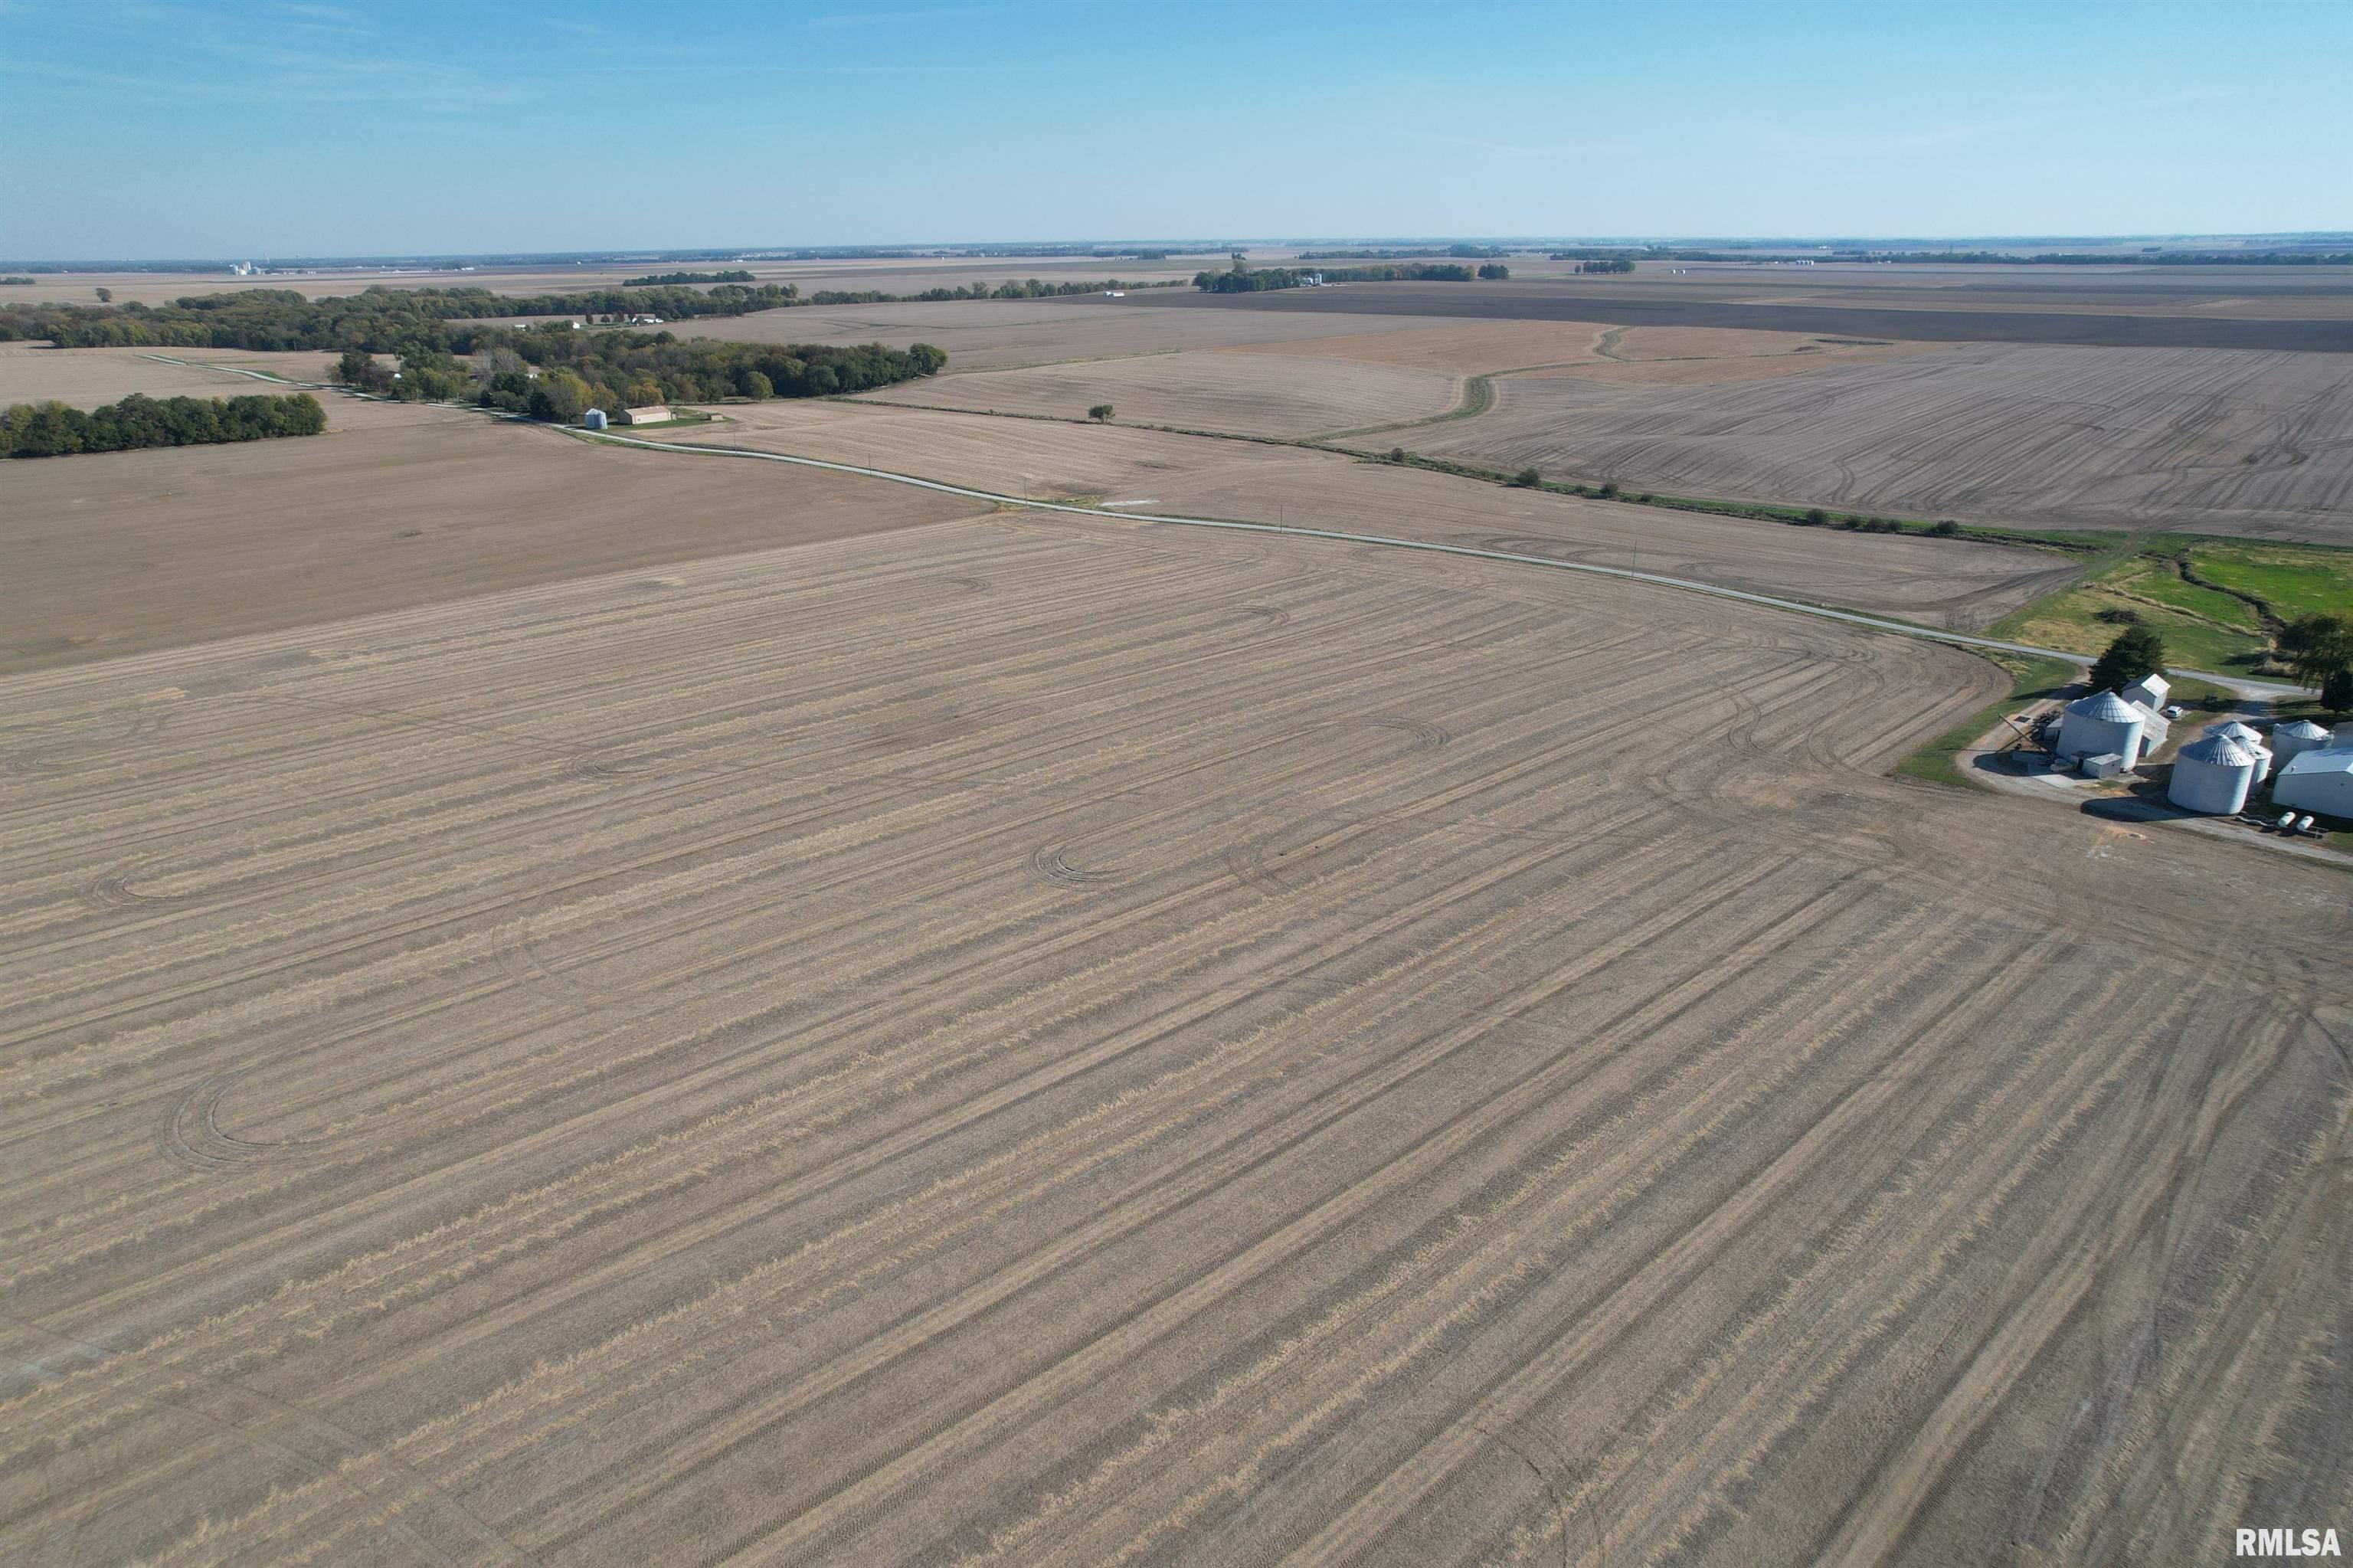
[[2319, 651], [2138, 650], [394, 321], [1240, 278], [15, 280], [1025, 288], [670, 280], [1471, 252], [1616, 264], [380, 320], [54, 429], [557, 373]]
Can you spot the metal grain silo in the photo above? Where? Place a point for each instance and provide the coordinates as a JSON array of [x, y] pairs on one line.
[[2212, 776], [2100, 723], [2295, 737], [2250, 740]]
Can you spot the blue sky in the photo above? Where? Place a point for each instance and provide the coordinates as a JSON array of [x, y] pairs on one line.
[[284, 127]]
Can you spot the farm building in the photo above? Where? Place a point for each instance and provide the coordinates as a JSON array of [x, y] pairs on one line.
[[2212, 776], [2292, 739], [2319, 780], [2102, 722], [2148, 691], [652, 414], [594, 419]]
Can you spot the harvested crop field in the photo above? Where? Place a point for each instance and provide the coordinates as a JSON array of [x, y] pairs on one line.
[[2178, 439], [1680, 355], [1942, 582], [1245, 394], [86, 378], [2326, 326], [129, 551], [992, 334], [1035, 1041]]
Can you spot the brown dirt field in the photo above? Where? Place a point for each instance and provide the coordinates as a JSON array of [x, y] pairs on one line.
[[1060, 1043], [1941, 582], [1248, 395], [2195, 440], [989, 335], [1647, 356], [1048, 462], [1461, 347], [129, 551], [88, 378]]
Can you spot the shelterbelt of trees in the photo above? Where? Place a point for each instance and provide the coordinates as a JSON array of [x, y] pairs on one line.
[[554, 373], [381, 320], [389, 321], [54, 429], [1239, 279], [663, 280]]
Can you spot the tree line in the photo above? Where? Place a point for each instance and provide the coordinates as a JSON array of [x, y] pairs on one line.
[[1618, 265], [1026, 288], [54, 429], [392, 321], [1471, 252], [556, 373], [1240, 280], [663, 280], [381, 319]]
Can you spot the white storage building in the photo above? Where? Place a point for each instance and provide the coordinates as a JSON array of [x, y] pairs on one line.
[[2213, 776], [2317, 781], [2150, 691], [2102, 721], [2296, 737]]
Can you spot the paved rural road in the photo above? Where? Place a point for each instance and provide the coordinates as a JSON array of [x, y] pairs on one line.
[[2238, 684], [1901, 628]]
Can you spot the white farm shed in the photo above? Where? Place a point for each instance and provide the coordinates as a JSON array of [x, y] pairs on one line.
[[2319, 780], [2150, 691], [2100, 723], [2212, 776], [2296, 737], [652, 414]]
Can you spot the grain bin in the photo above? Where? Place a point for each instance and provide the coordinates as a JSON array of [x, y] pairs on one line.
[[2212, 776], [2250, 740], [2099, 723], [2293, 738]]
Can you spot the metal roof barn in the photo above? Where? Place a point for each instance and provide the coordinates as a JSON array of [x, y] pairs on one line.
[[2212, 776], [2101, 722], [2320, 781]]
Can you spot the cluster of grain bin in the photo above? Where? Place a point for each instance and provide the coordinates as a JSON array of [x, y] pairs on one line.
[[2213, 776]]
